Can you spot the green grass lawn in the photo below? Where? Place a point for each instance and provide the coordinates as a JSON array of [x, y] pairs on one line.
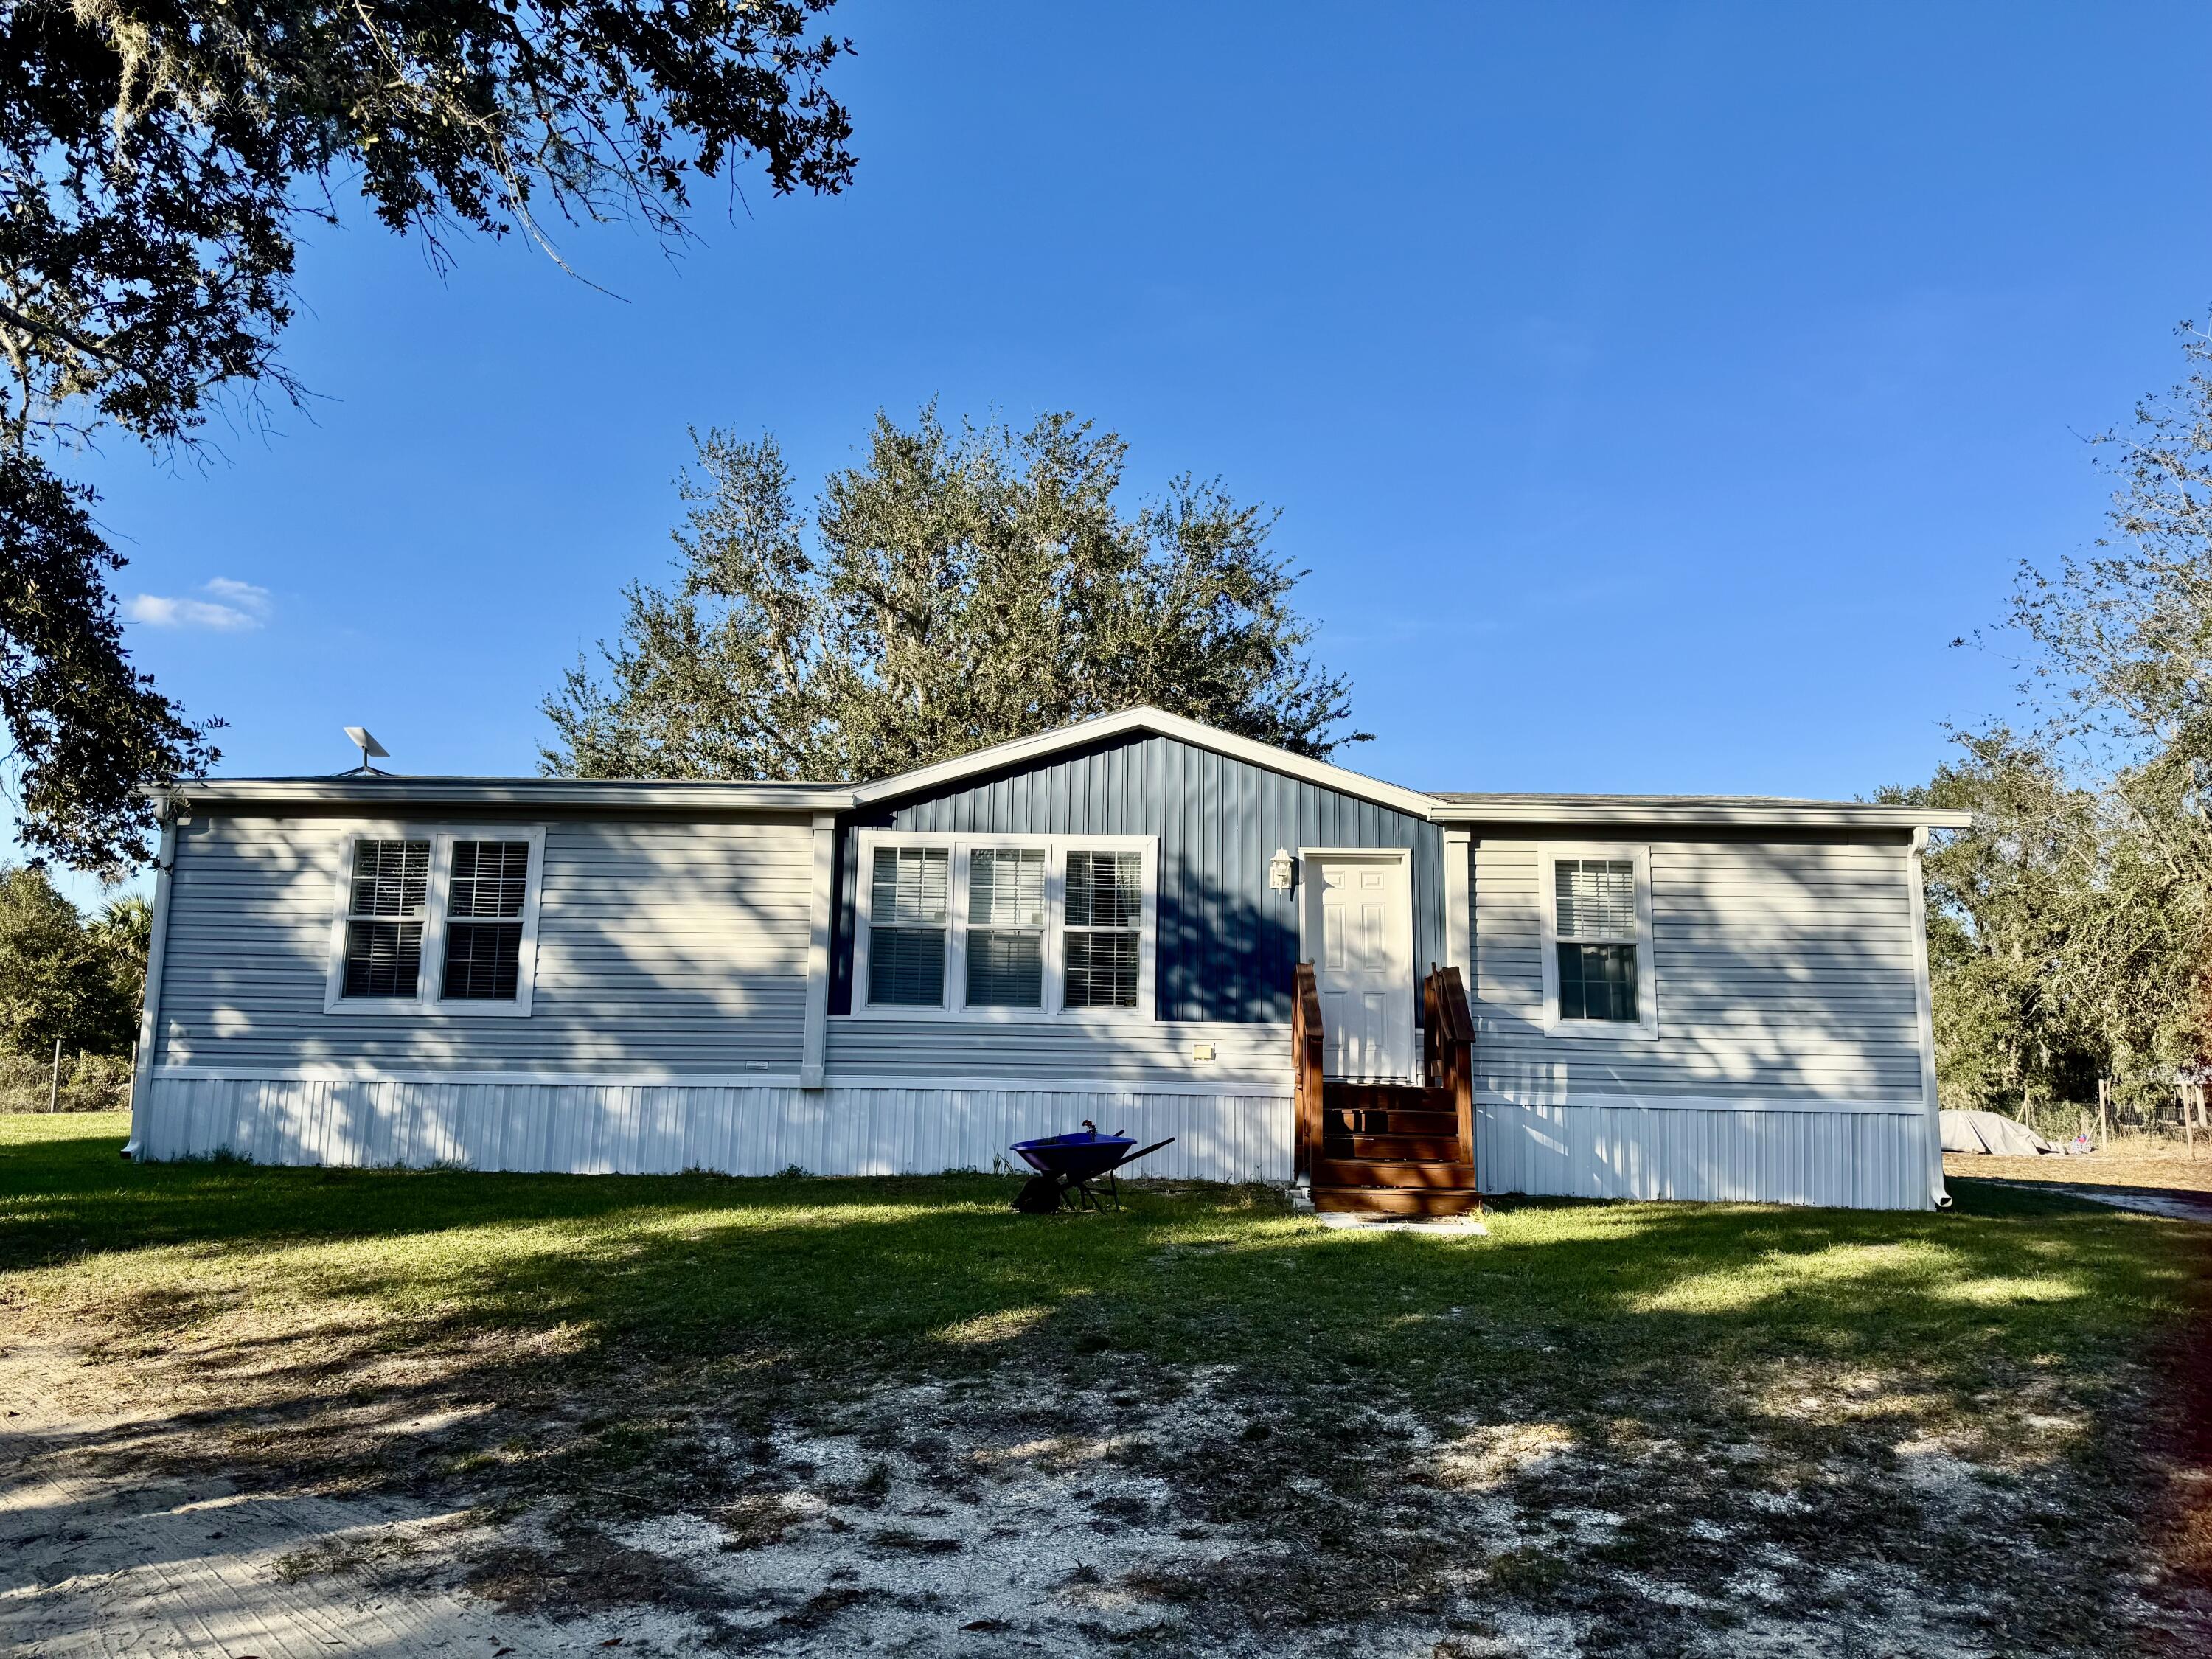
[[2020, 1334]]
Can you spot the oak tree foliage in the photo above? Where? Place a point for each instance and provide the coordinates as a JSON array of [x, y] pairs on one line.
[[956, 588], [2070, 930], [158, 160], [64, 979]]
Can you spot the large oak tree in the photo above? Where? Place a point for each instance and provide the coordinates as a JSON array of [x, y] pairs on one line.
[[157, 159], [955, 589]]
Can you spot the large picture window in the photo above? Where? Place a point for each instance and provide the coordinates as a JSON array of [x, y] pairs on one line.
[[436, 918], [1597, 941], [1004, 926]]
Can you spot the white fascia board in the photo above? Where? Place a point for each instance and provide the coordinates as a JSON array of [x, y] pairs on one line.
[[400, 793], [1159, 723], [1811, 815]]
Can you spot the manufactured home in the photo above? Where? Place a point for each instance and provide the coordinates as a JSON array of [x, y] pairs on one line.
[[1392, 996]]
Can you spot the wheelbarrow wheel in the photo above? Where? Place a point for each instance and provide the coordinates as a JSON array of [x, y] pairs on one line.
[[1040, 1195]]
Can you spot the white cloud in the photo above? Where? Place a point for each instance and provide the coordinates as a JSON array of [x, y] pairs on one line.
[[234, 607], [245, 595]]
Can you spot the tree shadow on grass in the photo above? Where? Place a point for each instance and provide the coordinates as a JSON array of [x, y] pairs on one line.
[[933, 1270], [614, 1337]]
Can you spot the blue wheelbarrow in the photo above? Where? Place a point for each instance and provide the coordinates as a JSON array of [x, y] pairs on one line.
[[1069, 1167]]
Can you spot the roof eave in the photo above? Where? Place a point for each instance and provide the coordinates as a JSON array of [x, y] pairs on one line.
[[626, 795], [1158, 723], [1808, 816]]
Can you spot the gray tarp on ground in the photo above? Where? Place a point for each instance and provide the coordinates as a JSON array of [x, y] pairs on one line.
[[1987, 1131]]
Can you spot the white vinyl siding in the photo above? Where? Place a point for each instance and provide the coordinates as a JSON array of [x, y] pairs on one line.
[[1781, 969], [664, 945]]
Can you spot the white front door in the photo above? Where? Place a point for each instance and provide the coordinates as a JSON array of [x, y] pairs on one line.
[[1359, 929]]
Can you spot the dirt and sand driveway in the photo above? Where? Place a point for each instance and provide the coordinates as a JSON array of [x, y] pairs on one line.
[[283, 1412]]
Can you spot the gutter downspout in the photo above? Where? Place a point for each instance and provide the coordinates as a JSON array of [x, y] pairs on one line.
[[150, 1013], [1924, 1000]]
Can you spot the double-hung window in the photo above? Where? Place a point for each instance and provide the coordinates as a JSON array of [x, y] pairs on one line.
[[1005, 926], [387, 902], [907, 914], [436, 918], [1597, 941], [1104, 927]]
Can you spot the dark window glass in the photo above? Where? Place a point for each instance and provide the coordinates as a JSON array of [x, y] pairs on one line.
[[1105, 890], [1597, 981], [906, 967], [1102, 969], [483, 960], [1006, 927], [490, 878], [906, 927], [382, 958], [389, 890], [1104, 920], [390, 878], [1005, 970]]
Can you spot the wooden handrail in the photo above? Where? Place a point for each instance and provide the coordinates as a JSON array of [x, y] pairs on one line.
[[1448, 1049], [1306, 1062]]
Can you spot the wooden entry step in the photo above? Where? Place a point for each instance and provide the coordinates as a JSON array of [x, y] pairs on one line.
[[1396, 1201], [1382, 1148]]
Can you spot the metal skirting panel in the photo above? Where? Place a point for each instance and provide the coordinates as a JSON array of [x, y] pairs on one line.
[[590, 1128], [1857, 1160]]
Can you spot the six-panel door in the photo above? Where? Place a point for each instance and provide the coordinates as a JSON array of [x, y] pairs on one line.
[[1358, 927]]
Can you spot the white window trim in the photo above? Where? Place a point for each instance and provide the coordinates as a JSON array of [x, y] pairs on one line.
[[426, 999], [1056, 848], [1645, 1026]]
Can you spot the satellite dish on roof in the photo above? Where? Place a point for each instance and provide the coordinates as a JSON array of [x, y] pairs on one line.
[[369, 747]]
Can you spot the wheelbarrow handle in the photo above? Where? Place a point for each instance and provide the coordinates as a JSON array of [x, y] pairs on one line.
[[1146, 1152]]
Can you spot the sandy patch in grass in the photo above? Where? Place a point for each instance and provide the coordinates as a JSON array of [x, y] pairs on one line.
[[1176, 1511]]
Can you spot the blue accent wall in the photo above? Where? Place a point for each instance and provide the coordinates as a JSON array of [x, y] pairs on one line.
[[1227, 941]]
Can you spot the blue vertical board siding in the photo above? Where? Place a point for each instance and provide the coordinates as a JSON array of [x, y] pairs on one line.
[[1228, 943]]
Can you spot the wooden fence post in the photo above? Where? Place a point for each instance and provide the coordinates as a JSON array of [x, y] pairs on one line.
[[54, 1078], [2104, 1131]]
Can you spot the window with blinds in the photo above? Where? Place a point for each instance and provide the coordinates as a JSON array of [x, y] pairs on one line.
[[1006, 927], [388, 898], [1595, 906], [1102, 933], [998, 926], [484, 919], [907, 924]]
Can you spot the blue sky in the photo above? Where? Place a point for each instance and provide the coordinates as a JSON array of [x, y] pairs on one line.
[[1653, 390]]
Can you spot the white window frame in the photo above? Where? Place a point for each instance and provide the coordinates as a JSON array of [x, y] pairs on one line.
[[431, 976], [1645, 1026], [1056, 849]]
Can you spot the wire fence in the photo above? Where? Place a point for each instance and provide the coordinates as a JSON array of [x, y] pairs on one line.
[[2141, 1120], [83, 1083]]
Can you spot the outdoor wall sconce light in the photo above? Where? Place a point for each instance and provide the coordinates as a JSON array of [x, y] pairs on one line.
[[1282, 870]]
